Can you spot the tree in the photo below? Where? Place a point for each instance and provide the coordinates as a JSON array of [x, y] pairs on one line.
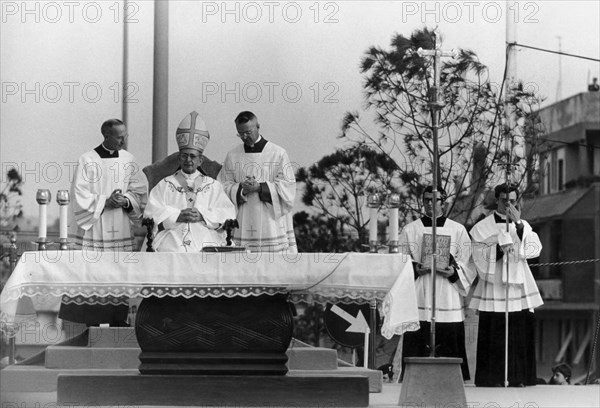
[[319, 233], [398, 83], [337, 186], [11, 207]]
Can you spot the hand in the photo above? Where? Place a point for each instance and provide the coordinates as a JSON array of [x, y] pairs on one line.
[[421, 270], [116, 200], [446, 273], [507, 248], [513, 213], [190, 215], [250, 185]]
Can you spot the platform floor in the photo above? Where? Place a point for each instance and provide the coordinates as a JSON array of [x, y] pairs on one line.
[[541, 396]]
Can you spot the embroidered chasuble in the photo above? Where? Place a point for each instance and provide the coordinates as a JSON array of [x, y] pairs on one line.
[[449, 291], [265, 218], [92, 224], [177, 192]]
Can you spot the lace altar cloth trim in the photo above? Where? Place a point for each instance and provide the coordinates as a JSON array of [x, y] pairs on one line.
[[113, 278]]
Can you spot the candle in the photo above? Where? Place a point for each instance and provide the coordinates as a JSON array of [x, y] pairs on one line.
[[373, 225], [62, 198], [43, 224], [43, 198], [394, 224]]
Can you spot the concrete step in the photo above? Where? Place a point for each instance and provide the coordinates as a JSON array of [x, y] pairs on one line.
[[120, 337], [107, 357], [375, 376], [315, 358], [69, 357], [213, 390], [40, 379]]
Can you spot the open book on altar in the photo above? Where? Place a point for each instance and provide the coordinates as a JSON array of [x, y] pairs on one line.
[[442, 247]]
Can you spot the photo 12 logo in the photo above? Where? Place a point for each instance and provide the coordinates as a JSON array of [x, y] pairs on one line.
[[68, 91], [270, 11], [428, 12], [69, 11], [255, 92]]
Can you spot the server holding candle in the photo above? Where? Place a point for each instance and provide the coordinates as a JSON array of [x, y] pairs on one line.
[[452, 283], [108, 192]]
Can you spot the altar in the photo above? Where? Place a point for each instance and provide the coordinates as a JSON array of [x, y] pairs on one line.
[[182, 293]]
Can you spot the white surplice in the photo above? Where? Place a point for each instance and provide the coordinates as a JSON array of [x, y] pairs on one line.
[[264, 226], [177, 192], [490, 293], [449, 296], [91, 223]]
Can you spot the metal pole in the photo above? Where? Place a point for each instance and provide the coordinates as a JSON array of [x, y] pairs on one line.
[[124, 101], [373, 334], [434, 124], [161, 81], [435, 106], [511, 75]]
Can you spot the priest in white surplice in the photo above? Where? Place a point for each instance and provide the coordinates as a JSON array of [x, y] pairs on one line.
[[494, 251], [189, 208], [259, 178], [452, 285], [109, 192]]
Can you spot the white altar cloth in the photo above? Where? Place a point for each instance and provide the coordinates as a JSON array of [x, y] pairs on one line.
[[110, 277]]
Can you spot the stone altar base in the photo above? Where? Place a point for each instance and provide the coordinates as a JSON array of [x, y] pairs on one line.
[[212, 390], [433, 382]]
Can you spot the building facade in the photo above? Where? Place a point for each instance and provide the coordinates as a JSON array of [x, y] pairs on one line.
[[565, 213]]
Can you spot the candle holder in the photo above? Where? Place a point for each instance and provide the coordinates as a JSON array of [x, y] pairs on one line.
[[43, 197], [393, 203], [63, 199], [373, 202]]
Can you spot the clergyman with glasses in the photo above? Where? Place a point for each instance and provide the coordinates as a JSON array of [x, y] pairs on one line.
[[259, 178], [188, 207]]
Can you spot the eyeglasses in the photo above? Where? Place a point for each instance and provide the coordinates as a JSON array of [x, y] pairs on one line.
[[185, 156], [246, 133]]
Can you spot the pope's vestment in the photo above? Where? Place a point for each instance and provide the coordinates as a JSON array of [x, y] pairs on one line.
[[179, 191], [94, 225], [265, 218], [449, 294], [496, 270]]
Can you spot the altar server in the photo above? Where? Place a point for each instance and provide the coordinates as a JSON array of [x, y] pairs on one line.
[[453, 282], [496, 251]]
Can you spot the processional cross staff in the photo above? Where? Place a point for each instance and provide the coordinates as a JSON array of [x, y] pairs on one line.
[[436, 105]]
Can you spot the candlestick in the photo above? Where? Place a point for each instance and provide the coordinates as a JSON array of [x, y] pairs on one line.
[[63, 199], [43, 197], [373, 225], [393, 202], [373, 202]]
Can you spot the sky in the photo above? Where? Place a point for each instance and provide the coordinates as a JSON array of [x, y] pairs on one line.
[[294, 64]]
